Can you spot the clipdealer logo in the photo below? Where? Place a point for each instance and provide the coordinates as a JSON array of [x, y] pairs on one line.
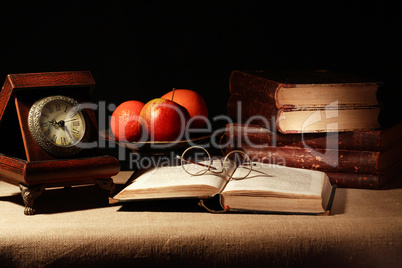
[[328, 116], [329, 155]]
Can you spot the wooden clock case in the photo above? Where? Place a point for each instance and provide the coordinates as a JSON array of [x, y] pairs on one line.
[[23, 162]]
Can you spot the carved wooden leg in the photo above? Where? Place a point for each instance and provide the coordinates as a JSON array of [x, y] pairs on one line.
[[106, 184], [29, 194]]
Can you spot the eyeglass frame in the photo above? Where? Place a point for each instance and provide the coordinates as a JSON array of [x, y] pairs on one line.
[[210, 166]]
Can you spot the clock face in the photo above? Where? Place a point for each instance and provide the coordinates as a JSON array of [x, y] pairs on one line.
[[57, 124]]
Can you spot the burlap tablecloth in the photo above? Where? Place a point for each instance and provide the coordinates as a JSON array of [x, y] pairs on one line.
[[79, 227]]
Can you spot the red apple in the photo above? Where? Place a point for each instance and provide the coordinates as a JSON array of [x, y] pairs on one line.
[[164, 120]]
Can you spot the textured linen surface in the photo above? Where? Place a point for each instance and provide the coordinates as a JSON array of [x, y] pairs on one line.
[[78, 227]]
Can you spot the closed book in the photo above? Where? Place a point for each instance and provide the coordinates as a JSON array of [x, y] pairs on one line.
[[327, 160], [305, 89], [253, 109], [370, 140], [364, 181], [319, 102]]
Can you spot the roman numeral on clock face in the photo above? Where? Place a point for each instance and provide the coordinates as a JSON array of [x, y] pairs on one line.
[[49, 109], [63, 141]]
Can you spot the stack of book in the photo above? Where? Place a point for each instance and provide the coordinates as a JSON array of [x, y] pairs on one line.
[[320, 120]]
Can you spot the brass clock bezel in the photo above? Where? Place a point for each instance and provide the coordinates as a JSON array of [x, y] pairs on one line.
[[42, 140]]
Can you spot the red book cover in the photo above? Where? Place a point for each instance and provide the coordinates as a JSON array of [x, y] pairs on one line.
[[370, 140]]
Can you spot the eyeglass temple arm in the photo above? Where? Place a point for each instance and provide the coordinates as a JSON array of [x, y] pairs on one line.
[[248, 164], [245, 164], [191, 162]]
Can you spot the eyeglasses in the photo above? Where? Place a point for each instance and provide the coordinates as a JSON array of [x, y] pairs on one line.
[[197, 161]]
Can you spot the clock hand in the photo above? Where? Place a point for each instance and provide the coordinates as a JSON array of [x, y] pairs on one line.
[[61, 123], [53, 122], [69, 133], [70, 120]]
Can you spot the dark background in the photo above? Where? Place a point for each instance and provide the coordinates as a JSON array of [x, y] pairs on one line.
[[142, 49]]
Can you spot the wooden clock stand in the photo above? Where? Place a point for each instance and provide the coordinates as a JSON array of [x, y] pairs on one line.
[[23, 162]]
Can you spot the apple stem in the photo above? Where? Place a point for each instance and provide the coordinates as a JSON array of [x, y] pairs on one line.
[[173, 93]]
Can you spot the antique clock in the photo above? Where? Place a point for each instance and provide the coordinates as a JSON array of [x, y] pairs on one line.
[[48, 134]]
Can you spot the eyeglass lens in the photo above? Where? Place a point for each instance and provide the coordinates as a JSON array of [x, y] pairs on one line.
[[197, 161], [237, 164]]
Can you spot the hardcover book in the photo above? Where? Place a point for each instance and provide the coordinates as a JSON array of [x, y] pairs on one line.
[[304, 102], [364, 181], [305, 89], [327, 160], [370, 140], [268, 188], [366, 159]]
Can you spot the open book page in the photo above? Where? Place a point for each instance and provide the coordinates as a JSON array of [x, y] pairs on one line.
[[279, 188], [172, 182], [275, 180]]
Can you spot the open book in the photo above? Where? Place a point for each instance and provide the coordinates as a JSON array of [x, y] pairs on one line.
[[267, 188]]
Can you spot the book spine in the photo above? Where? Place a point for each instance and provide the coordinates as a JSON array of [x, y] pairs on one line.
[[253, 99], [327, 160], [256, 135], [364, 181], [245, 84], [351, 180], [251, 110]]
